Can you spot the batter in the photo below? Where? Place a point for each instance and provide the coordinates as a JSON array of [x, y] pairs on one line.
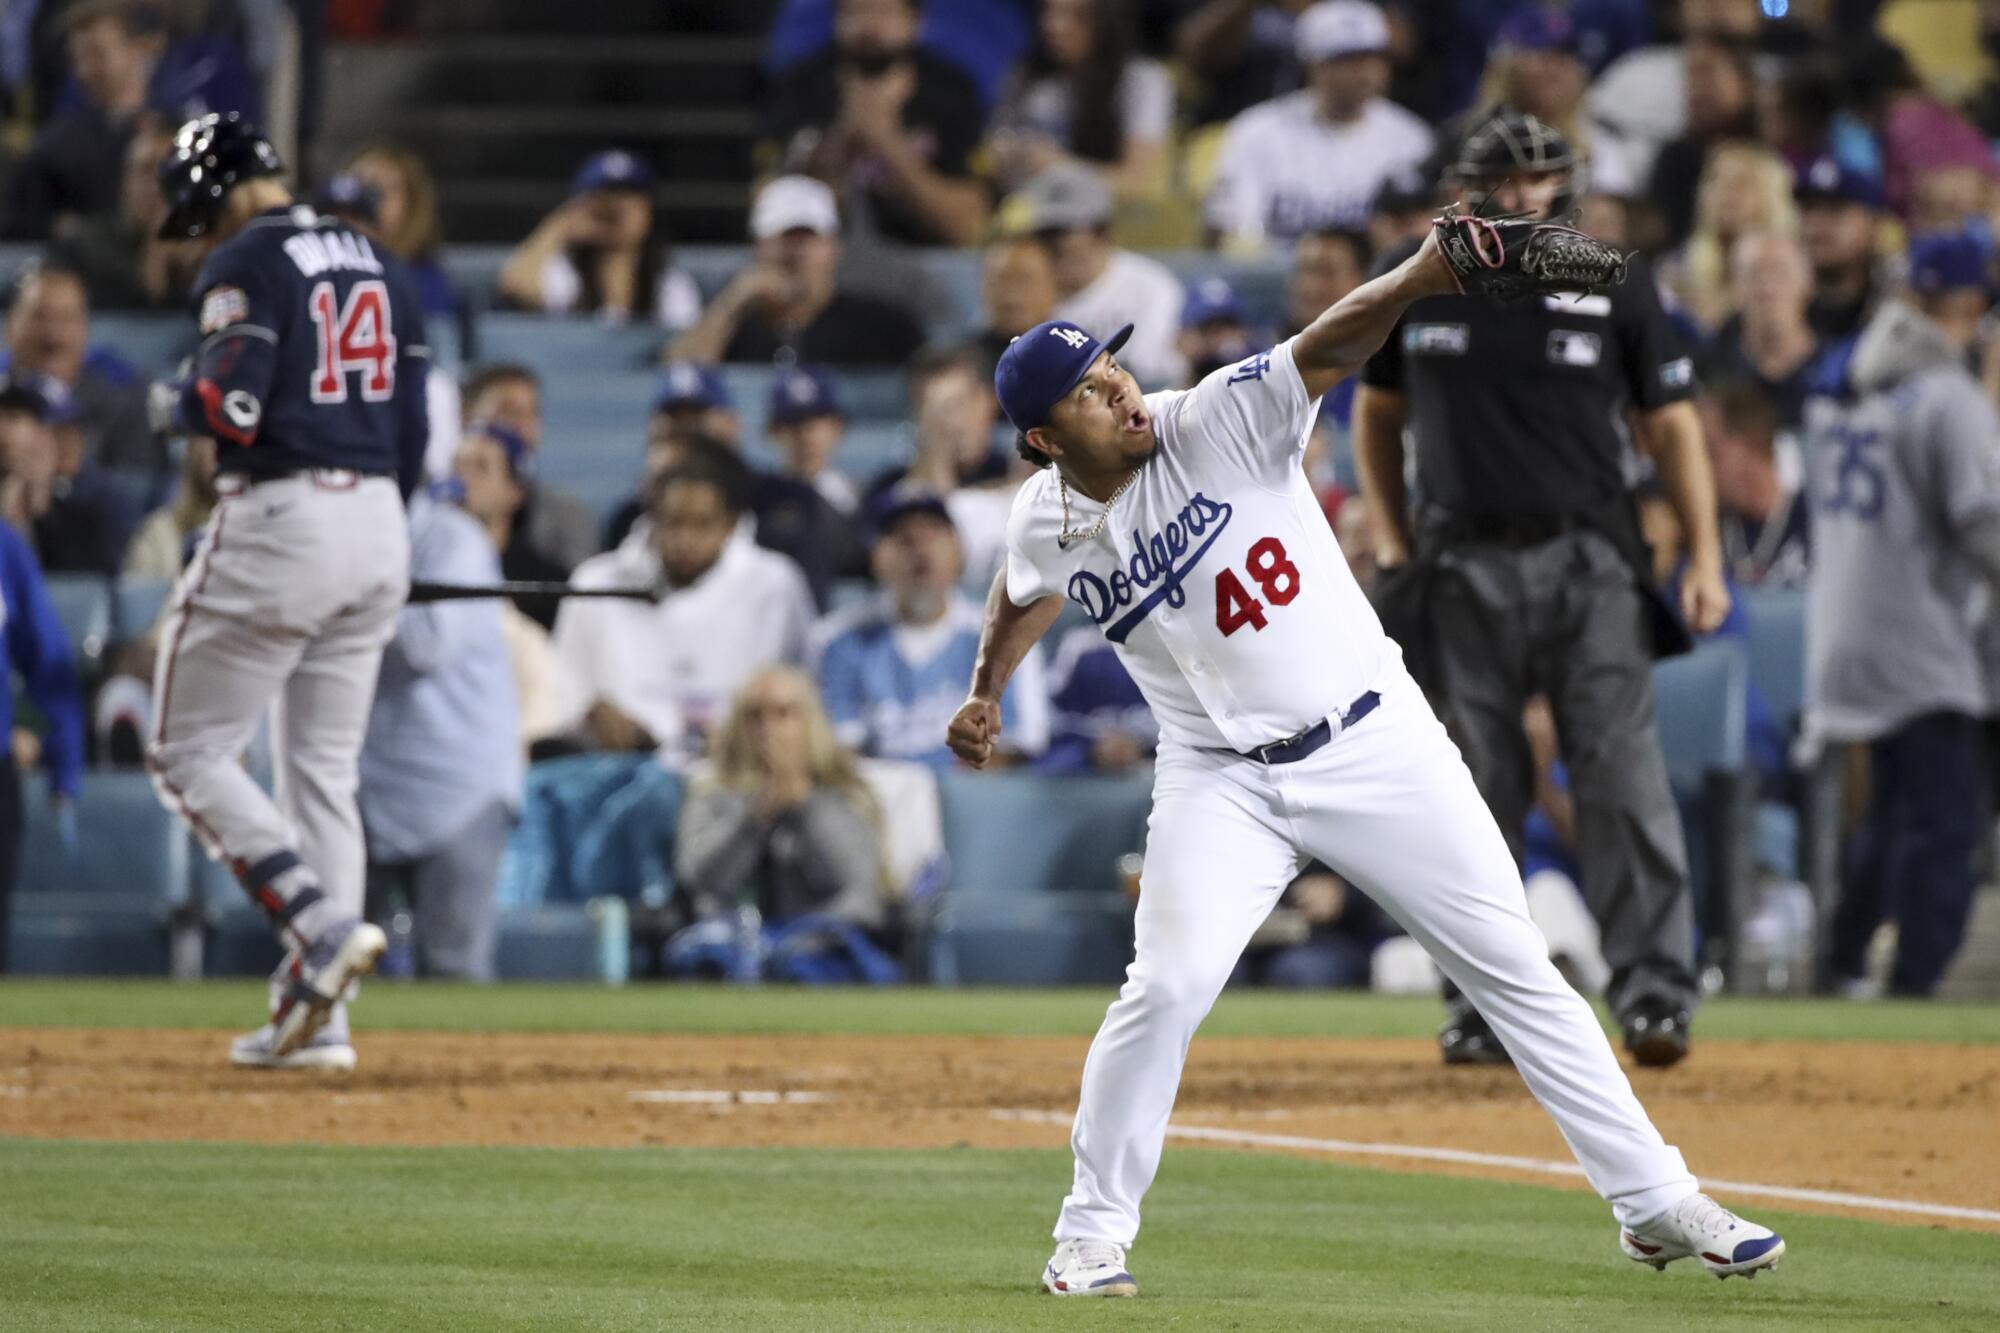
[[1183, 524], [310, 377]]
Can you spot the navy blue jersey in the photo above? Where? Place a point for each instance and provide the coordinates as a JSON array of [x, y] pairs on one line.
[[313, 352]]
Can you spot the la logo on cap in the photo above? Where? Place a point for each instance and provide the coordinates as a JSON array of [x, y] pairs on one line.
[[1076, 338]]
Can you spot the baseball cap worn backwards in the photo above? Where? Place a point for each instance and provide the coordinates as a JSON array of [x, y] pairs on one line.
[[1339, 28], [1040, 367]]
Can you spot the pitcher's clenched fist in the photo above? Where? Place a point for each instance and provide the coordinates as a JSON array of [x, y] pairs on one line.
[[973, 730]]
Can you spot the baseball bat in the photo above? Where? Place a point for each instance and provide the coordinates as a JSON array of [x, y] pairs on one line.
[[421, 591]]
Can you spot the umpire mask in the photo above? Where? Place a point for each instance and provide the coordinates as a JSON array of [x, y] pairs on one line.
[[1512, 143]]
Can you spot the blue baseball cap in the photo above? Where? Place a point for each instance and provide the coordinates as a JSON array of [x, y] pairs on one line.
[[802, 393], [60, 405], [1830, 178], [1948, 261], [1212, 300], [685, 384], [1537, 29], [520, 458], [345, 192], [1040, 367], [902, 500], [613, 169]]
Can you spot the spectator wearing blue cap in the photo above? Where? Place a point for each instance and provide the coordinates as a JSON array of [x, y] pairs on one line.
[[788, 305], [37, 650], [695, 398], [1840, 220], [891, 123], [599, 253], [76, 519], [552, 521], [1215, 328], [805, 422], [893, 670], [493, 469], [353, 200], [1951, 283]]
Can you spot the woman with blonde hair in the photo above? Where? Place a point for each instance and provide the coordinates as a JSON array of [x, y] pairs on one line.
[[783, 821], [1745, 188], [407, 212]]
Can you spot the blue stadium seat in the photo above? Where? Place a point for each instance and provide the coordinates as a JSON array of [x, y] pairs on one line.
[[1040, 940], [1777, 619], [154, 344], [556, 346], [1701, 700], [136, 604], [597, 400], [1013, 833], [571, 942], [61, 934], [83, 604], [128, 844]]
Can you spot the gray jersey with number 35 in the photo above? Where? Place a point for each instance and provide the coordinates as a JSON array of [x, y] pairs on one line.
[[1896, 472]]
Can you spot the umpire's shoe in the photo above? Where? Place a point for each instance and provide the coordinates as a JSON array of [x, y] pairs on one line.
[[1657, 1033], [345, 952], [1467, 1039]]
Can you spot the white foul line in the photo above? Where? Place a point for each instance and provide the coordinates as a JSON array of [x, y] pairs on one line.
[[1253, 1139]]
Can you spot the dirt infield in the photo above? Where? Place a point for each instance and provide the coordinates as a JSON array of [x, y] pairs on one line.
[[1906, 1121]]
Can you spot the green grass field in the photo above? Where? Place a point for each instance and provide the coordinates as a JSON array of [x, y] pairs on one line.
[[207, 1236]]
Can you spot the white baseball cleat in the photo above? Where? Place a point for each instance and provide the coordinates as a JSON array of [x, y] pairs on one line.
[[328, 1049], [344, 952], [1699, 1227], [1088, 1268]]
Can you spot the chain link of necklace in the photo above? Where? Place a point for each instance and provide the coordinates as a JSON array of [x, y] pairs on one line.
[[1066, 536]]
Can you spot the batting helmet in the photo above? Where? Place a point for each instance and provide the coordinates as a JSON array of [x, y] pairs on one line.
[[1513, 141], [210, 157]]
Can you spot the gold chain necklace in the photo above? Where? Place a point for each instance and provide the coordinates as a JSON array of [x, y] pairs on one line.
[[1066, 536]]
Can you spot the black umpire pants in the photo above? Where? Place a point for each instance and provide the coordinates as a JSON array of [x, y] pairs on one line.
[[1566, 618], [10, 846]]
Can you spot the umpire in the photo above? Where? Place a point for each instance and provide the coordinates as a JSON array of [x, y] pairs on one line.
[[1517, 567]]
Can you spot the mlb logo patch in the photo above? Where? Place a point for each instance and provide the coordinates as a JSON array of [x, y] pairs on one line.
[[1437, 339], [1572, 347], [222, 307]]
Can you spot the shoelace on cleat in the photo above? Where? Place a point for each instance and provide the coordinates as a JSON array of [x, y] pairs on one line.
[[1705, 1216], [1097, 1254]]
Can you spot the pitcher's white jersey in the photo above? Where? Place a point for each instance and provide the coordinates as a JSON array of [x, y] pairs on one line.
[[1217, 575]]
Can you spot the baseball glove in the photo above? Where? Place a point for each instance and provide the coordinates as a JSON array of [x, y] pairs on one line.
[[1507, 257]]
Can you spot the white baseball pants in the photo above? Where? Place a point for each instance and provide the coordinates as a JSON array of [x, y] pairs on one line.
[[286, 607], [1390, 807]]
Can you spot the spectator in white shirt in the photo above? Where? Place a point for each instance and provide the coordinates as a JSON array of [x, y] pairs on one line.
[[1102, 286], [636, 675], [1084, 96], [598, 254], [1316, 158]]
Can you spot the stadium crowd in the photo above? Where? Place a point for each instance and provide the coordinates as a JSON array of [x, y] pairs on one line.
[[1799, 190]]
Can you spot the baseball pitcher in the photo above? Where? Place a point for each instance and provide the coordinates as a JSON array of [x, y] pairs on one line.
[[1183, 524]]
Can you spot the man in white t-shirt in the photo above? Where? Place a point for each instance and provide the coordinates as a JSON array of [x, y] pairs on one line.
[[1314, 159], [1183, 524], [1102, 286], [638, 675]]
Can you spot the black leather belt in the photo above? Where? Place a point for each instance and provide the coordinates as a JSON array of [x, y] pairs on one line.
[[1308, 742], [1515, 530]]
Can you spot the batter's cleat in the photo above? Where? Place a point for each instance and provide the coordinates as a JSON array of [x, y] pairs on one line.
[[328, 1049], [1088, 1268], [1657, 1034], [1468, 1040], [344, 952], [1699, 1227]]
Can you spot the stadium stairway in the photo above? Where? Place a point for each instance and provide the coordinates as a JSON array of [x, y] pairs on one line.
[[505, 98]]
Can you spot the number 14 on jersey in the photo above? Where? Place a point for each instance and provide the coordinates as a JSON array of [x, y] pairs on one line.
[[1275, 576]]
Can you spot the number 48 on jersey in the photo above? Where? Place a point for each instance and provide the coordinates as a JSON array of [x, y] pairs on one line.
[[1275, 576]]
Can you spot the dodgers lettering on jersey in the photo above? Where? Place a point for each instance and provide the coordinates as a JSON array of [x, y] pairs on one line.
[[313, 352], [1217, 577]]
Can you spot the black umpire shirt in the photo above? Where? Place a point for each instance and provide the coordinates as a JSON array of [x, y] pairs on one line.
[[1517, 409]]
